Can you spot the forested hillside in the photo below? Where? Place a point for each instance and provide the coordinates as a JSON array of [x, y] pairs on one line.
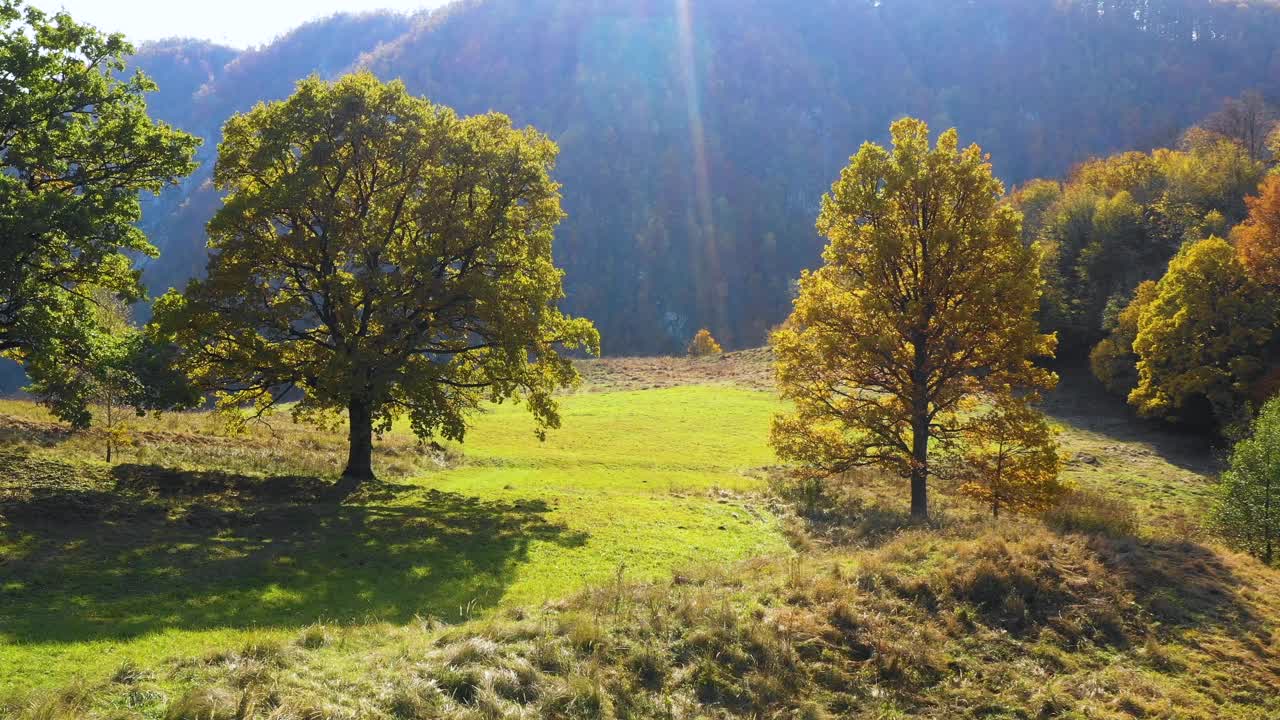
[[697, 137], [202, 85]]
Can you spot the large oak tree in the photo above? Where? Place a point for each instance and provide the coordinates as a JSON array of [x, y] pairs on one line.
[[381, 256], [926, 302]]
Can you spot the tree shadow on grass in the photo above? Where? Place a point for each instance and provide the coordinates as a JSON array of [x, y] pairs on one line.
[[1184, 585], [1082, 403], [146, 548]]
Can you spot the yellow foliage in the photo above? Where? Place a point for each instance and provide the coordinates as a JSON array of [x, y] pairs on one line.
[[926, 300], [704, 345], [1200, 336], [1113, 361], [1133, 172], [1033, 200], [1011, 461]]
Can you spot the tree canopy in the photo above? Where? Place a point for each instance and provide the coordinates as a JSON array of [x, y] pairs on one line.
[[1113, 360], [1200, 338], [77, 148], [925, 303], [1257, 239], [1117, 221], [382, 256], [1247, 509]]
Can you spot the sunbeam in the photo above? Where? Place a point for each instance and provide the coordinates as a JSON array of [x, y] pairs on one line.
[[709, 262]]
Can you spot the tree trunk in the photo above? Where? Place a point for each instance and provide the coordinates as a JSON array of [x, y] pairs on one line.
[[920, 431], [360, 451], [920, 465], [110, 429], [995, 485]]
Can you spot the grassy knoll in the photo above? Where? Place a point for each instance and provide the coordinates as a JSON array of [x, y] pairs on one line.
[[145, 559], [632, 566]]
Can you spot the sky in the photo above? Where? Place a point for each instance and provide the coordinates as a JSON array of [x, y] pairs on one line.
[[238, 23]]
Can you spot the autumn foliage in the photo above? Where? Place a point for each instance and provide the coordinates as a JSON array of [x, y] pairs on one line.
[[1011, 461], [1113, 360], [704, 345], [1201, 337], [926, 301], [1258, 238]]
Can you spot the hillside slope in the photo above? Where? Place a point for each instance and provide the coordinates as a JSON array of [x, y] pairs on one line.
[[202, 85], [698, 137]]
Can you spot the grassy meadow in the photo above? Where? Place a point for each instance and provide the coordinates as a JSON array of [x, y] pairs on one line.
[[142, 559], [642, 562]]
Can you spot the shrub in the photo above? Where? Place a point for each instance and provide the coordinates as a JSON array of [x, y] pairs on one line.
[[582, 632], [578, 698], [1246, 512], [460, 684], [129, 674], [471, 650], [69, 703], [714, 684], [1091, 512], [550, 655], [315, 637], [703, 345]]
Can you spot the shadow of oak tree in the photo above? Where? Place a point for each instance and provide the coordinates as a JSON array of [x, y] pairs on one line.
[[143, 548]]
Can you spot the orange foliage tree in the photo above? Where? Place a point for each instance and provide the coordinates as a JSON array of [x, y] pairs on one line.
[[1258, 238]]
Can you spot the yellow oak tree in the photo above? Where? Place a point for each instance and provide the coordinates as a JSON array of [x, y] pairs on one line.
[[1012, 461], [926, 300]]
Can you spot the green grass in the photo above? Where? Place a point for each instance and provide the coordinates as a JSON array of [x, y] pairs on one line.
[[1168, 475], [609, 565], [135, 562]]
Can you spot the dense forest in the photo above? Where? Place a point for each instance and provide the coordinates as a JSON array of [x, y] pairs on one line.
[[697, 137]]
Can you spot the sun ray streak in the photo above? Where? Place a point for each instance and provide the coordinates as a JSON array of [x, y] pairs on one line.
[[709, 262]]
